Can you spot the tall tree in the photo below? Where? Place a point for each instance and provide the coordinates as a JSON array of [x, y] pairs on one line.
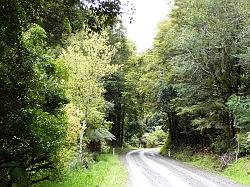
[[114, 83], [203, 48], [30, 82], [88, 58]]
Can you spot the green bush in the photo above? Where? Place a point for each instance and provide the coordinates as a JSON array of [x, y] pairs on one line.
[[244, 144], [154, 138], [239, 171], [166, 146], [107, 171], [239, 106], [134, 141], [220, 144]]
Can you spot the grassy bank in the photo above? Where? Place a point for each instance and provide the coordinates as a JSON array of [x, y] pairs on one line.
[[108, 171], [238, 171]]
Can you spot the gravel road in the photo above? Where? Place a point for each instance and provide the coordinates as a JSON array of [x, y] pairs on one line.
[[148, 169]]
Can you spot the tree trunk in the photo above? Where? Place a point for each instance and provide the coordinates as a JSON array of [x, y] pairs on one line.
[[83, 124], [117, 126], [94, 146], [172, 128], [123, 118], [175, 129], [232, 130], [81, 141]]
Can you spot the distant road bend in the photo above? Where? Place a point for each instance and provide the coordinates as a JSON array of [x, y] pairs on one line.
[[148, 169]]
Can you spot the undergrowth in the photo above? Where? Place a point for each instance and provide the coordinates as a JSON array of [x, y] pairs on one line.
[[107, 171], [238, 171]]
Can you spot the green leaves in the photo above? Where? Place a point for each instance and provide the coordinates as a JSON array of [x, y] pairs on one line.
[[35, 38], [100, 134], [88, 58], [32, 81], [155, 137], [240, 107], [201, 57], [47, 130]]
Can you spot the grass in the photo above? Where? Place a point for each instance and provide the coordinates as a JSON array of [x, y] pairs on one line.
[[199, 160], [238, 171], [108, 171]]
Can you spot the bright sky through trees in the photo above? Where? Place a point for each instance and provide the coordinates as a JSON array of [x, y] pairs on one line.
[[147, 15]]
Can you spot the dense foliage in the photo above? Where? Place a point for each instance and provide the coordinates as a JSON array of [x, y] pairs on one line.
[[193, 83], [207, 57], [72, 84], [196, 78], [33, 88]]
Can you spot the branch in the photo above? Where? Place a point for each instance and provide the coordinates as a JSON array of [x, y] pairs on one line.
[[42, 179], [45, 166]]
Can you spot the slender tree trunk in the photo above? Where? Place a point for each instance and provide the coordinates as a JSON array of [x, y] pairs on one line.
[[117, 126], [238, 149], [231, 129], [123, 118], [83, 124], [171, 128], [119, 123], [175, 129], [80, 144], [186, 130], [81, 141]]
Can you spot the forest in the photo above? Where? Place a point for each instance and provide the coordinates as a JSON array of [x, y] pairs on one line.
[[72, 85]]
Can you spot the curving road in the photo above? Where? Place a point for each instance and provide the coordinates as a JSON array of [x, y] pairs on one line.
[[148, 169]]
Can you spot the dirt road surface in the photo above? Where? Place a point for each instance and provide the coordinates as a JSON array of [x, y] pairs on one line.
[[148, 169]]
